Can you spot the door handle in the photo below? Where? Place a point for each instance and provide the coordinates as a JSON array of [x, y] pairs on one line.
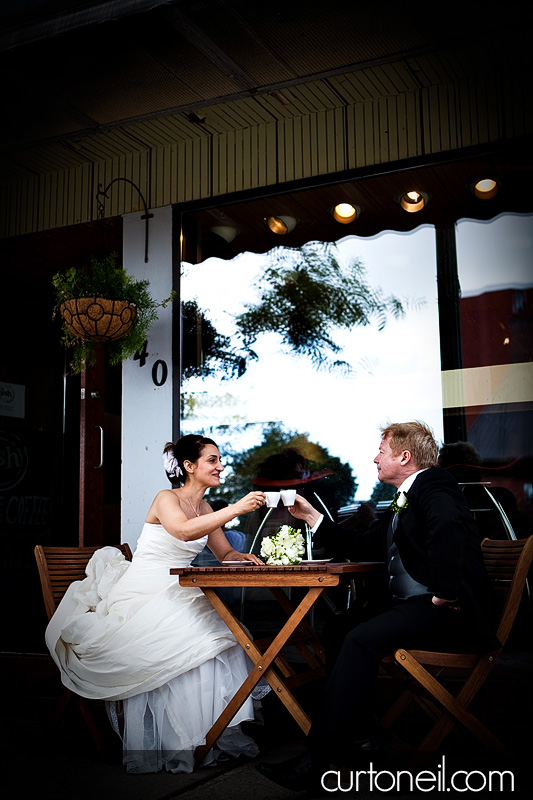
[[101, 464]]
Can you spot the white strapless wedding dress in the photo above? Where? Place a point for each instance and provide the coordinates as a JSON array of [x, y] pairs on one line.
[[129, 632]]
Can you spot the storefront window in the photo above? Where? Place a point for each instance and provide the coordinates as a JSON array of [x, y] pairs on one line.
[[327, 401], [495, 386]]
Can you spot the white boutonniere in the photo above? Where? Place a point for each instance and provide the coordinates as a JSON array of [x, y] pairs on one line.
[[285, 547], [400, 502]]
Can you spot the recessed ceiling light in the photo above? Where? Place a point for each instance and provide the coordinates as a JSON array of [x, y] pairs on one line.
[[227, 232], [345, 213], [281, 224], [413, 201], [486, 188]]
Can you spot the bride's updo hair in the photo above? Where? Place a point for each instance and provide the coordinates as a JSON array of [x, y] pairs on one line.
[[188, 448]]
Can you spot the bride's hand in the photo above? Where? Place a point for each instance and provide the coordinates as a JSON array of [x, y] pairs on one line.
[[249, 557], [250, 502]]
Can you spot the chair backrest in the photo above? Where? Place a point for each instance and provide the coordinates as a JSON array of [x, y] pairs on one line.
[[507, 563], [60, 566]]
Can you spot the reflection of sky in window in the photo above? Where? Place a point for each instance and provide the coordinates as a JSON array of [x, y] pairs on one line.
[[496, 254], [396, 372]]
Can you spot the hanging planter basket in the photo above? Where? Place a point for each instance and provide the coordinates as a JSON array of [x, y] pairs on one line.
[[90, 318], [97, 319]]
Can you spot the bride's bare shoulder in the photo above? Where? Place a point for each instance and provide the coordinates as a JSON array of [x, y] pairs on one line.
[[167, 496], [166, 499]]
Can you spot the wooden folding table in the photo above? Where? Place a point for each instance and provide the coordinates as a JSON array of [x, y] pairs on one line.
[[316, 578]]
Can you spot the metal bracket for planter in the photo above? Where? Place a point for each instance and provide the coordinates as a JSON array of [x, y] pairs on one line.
[[146, 216]]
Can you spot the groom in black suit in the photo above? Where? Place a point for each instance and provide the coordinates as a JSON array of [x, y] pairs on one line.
[[438, 593]]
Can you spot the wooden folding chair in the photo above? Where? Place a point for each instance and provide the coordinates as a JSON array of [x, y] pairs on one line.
[[507, 563], [58, 568]]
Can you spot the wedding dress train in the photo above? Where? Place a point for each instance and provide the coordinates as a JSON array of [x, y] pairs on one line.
[[157, 652]]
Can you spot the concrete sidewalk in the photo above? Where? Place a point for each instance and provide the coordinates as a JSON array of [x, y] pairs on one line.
[[62, 764]]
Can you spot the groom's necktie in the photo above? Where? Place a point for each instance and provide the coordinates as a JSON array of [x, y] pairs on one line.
[[392, 551], [393, 522], [401, 584]]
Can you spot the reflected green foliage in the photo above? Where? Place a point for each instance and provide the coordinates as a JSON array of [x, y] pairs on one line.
[[337, 489], [198, 405], [205, 351], [382, 492], [306, 294]]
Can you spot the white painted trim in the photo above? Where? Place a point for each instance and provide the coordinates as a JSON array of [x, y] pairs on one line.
[[146, 407]]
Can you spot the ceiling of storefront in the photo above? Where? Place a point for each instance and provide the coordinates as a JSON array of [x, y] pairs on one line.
[[448, 186], [153, 68], [93, 80]]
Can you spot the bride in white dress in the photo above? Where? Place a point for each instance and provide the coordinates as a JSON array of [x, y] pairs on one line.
[[156, 651]]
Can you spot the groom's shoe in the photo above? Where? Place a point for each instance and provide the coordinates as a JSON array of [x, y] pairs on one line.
[[298, 774], [372, 746], [360, 754]]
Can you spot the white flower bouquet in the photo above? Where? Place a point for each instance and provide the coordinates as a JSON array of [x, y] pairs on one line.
[[285, 547]]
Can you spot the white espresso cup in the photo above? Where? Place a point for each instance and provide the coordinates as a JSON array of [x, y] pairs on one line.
[[272, 499], [288, 496]]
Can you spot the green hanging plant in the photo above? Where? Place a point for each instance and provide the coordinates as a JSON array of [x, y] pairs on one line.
[[103, 304]]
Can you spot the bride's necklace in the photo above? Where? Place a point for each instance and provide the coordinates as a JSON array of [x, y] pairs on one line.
[[193, 508]]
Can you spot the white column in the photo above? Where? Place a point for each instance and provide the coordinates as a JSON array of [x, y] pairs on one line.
[[147, 384]]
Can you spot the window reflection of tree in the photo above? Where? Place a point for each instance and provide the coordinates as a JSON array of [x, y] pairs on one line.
[[205, 350], [305, 294]]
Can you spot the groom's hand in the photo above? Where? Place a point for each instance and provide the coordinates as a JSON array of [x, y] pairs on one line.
[[439, 601], [302, 509]]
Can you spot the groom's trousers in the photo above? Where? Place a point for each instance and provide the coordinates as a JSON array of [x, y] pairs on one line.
[[350, 688]]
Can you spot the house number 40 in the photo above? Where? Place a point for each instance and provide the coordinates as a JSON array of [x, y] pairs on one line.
[[159, 370]]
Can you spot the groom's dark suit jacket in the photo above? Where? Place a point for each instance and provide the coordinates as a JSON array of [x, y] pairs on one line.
[[438, 543]]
